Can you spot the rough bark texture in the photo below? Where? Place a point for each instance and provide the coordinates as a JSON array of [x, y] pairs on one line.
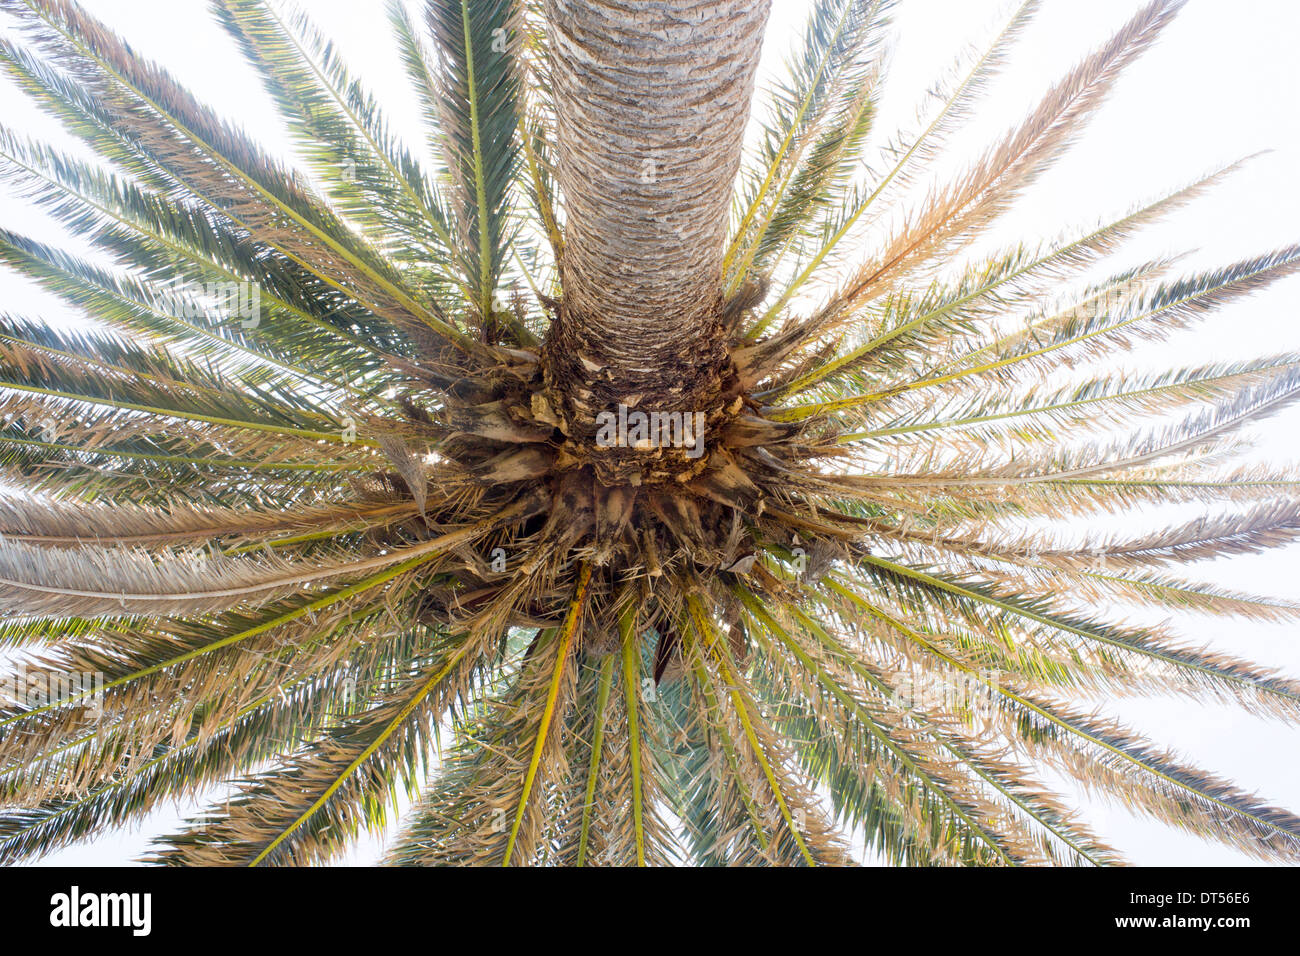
[[652, 100]]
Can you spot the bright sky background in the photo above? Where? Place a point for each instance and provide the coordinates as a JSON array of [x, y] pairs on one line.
[[1221, 84]]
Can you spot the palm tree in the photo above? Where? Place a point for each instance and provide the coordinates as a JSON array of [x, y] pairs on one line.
[[356, 465]]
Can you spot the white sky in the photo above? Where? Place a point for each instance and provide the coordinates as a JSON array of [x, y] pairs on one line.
[[1222, 83]]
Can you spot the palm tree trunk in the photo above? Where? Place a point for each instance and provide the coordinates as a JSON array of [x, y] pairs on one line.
[[652, 100]]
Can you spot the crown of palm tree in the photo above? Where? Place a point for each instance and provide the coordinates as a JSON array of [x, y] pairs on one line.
[[525, 437]]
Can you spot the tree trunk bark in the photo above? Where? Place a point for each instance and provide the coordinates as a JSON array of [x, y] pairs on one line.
[[652, 99]]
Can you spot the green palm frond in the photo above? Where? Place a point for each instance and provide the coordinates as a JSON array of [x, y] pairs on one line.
[[367, 174], [906, 156], [820, 115], [300, 549], [478, 97]]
